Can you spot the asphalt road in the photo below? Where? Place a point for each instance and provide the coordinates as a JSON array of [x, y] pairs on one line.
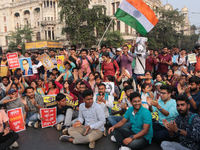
[[48, 139]]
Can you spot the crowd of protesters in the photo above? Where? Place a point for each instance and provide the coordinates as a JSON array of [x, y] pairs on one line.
[[156, 92]]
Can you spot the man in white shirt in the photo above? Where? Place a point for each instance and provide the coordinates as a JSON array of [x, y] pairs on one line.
[[93, 115]]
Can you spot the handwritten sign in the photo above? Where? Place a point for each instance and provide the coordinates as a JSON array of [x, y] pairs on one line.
[[60, 60], [49, 98], [16, 119], [141, 48], [49, 115], [13, 60], [192, 58]]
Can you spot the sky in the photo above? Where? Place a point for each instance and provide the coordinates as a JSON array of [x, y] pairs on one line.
[[192, 5]]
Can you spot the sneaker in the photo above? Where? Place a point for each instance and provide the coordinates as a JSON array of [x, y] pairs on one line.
[[59, 127], [92, 144], [65, 138], [65, 131], [105, 132], [15, 145], [124, 148], [36, 124], [113, 138]]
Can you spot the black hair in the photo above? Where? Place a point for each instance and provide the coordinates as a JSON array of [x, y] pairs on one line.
[[101, 84], [147, 71], [183, 49], [25, 60], [110, 49], [27, 88], [82, 83], [4, 77], [84, 50], [96, 72], [155, 50], [194, 79], [87, 92], [41, 79], [17, 76], [60, 96], [98, 76], [128, 87], [18, 69], [144, 85], [125, 46], [103, 45], [73, 45], [165, 47], [126, 82], [110, 78], [19, 50], [182, 98], [74, 69], [53, 82], [8, 51], [106, 54], [51, 50], [14, 84], [35, 82], [171, 70], [67, 63], [166, 87], [92, 73], [133, 95]]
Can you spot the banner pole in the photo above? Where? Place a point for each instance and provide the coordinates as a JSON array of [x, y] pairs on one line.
[[105, 32]]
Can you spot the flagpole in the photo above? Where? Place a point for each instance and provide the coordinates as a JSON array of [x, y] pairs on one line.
[[105, 32]]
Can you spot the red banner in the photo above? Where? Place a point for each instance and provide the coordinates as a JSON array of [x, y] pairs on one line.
[[49, 116], [16, 119], [13, 60]]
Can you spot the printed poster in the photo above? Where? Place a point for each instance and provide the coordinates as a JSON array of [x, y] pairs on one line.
[[26, 66], [49, 116], [141, 48], [16, 119], [60, 60], [49, 98], [110, 88], [13, 60], [46, 61], [192, 58]]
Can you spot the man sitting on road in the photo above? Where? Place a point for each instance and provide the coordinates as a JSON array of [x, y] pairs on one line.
[[93, 115]]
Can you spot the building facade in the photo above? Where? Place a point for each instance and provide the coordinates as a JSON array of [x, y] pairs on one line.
[[41, 15]]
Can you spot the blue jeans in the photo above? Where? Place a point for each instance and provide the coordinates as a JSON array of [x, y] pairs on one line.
[[135, 77], [115, 119], [30, 116], [122, 133], [60, 118], [160, 133]]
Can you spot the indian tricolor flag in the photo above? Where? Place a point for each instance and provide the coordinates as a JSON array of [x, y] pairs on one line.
[[137, 14]]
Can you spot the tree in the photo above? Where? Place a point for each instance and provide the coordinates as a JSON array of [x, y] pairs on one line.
[[188, 42], [19, 37], [113, 38], [165, 33], [81, 22]]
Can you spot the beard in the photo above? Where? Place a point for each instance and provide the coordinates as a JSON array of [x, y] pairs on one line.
[[183, 113], [164, 52], [193, 90]]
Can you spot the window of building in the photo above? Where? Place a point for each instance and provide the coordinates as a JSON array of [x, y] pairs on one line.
[[45, 18], [126, 28], [4, 18], [117, 4], [51, 18], [5, 29], [6, 42], [113, 7], [38, 36], [38, 23], [48, 18], [118, 25]]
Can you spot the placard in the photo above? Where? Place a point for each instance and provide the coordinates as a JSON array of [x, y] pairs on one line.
[[16, 119], [60, 60], [49, 116], [46, 61], [26, 66], [13, 60], [141, 48], [192, 58], [49, 98], [110, 88]]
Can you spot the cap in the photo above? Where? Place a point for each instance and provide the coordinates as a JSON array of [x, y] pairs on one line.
[[158, 83], [119, 49], [175, 64], [10, 91]]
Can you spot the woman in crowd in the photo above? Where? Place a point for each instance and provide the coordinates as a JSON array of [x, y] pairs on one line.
[[91, 80], [147, 78], [169, 77]]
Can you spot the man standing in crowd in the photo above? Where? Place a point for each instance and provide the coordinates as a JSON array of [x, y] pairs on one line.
[[4, 84], [52, 54], [150, 61], [186, 125], [118, 53], [4, 69], [166, 107], [7, 137], [164, 60], [92, 114], [33, 103], [19, 52], [141, 132], [175, 53], [197, 65], [125, 60]]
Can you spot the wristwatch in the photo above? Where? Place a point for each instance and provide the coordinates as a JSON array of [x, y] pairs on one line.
[[160, 109], [190, 97], [132, 136], [36, 105], [179, 131]]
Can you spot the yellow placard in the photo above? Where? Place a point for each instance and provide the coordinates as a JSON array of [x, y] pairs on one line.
[[41, 44], [54, 45], [60, 60], [49, 98], [46, 61], [30, 45]]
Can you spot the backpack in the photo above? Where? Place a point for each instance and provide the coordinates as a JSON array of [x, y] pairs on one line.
[[91, 66], [112, 60]]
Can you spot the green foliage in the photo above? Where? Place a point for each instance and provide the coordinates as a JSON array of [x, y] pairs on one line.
[[81, 22], [113, 38], [20, 37], [188, 42], [165, 33]]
